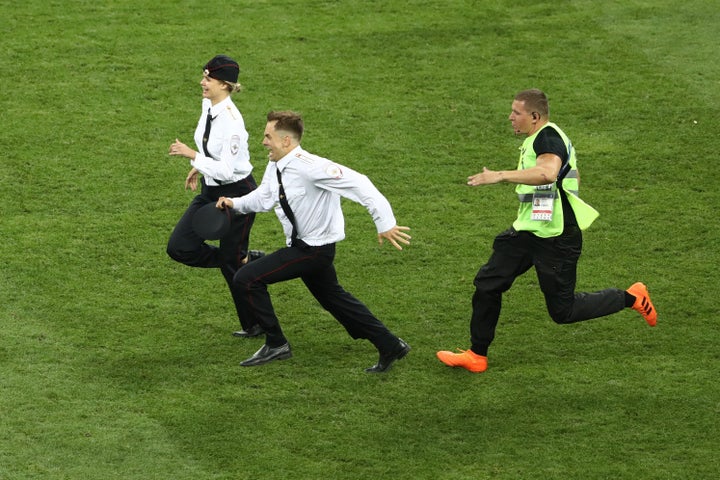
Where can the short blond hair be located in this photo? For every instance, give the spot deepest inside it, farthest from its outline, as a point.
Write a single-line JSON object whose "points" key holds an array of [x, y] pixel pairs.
{"points": [[535, 101]]}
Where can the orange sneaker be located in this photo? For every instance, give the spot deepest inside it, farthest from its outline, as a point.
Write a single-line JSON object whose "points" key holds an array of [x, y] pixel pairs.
{"points": [[466, 359], [642, 303]]}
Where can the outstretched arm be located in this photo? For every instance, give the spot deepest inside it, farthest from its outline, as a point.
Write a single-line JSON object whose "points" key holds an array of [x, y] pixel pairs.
{"points": [[545, 171]]}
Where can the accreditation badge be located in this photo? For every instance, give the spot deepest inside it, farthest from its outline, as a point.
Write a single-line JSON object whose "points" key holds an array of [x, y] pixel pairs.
{"points": [[543, 202]]}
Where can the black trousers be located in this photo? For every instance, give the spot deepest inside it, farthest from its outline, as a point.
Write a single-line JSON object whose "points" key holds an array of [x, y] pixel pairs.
{"points": [[314, 266], [555, 261], [186, 247]]}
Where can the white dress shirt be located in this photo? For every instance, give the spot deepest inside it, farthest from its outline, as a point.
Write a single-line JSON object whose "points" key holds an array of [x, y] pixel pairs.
{"points": [[228, 144], [313, 186]]}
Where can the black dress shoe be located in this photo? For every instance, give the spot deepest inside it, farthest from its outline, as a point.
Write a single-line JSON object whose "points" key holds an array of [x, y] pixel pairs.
{"points": [[254, 255], [387, 359], [267, 354], [254, 331]]}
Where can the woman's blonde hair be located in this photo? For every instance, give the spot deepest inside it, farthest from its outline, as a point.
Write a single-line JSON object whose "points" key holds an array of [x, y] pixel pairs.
{"points": [[233, 87]]}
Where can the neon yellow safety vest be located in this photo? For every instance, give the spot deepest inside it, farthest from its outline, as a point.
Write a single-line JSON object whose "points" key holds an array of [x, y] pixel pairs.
{"points": [[584, 213]]}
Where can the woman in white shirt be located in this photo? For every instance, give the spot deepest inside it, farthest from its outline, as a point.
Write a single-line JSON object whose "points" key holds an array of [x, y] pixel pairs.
{"points": [[223, 159]]}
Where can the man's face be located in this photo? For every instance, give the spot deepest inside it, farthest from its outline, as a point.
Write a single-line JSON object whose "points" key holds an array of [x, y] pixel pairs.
{"points": [[522, 121], [275, 141]]}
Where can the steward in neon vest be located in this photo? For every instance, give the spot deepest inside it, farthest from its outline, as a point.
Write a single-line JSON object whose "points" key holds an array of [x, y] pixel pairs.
{"points": [[545, 236], [541, 206]]}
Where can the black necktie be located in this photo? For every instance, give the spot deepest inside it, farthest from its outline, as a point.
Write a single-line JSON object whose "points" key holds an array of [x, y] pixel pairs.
{"points": [[286, 208], [206, 135]]}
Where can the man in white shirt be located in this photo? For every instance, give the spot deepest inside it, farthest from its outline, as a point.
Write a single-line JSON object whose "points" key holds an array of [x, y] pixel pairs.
{"points": [[305, 190]]}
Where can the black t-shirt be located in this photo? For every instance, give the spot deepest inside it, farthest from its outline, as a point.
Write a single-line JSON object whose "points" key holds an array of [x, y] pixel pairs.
{"points": [[548, 140]]}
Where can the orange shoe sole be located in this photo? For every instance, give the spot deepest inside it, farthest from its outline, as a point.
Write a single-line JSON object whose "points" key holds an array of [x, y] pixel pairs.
{"points": [[466, 359]]}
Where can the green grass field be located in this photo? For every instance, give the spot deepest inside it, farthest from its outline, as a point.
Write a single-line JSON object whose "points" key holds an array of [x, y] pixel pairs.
{"points": [[117, 362]]}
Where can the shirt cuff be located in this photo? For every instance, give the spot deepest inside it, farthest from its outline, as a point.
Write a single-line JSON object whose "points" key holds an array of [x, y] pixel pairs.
{"points": [[237, 204]]}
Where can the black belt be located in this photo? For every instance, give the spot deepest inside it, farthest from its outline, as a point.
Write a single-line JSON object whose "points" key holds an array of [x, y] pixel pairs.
{"points": [[300, 244], [221, 184]]}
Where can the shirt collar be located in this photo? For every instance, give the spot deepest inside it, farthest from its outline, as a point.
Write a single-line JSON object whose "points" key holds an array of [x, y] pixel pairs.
{"points": [[288, 158], [219, 107]]}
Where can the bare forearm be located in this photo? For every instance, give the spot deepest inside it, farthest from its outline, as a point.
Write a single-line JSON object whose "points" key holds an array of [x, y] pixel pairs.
{"points": [[545, 171], [530, 176]]}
